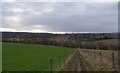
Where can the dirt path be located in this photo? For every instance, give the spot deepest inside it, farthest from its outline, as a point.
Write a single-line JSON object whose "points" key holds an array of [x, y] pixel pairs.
{"points": [[84, 65], [64, 66], [77, 63], [71, 65]]}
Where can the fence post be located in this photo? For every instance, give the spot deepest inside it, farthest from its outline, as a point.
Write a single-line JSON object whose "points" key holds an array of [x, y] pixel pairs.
{"points": [[113, 60], [101, 57], [59, 62], [91, 53], [51, 65], [64, 58], [88, 54], [94, 55]]}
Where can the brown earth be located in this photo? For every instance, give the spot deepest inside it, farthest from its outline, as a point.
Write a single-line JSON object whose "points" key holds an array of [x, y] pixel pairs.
{"points": [[109, 42]]}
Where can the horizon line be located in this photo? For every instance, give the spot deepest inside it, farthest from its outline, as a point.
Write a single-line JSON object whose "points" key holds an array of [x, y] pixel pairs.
{"points": [[56, 32]]}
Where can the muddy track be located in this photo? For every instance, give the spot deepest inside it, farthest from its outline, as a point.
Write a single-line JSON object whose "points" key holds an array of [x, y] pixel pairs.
{"points": [[77, 63], [70, 66], [84, 65]]}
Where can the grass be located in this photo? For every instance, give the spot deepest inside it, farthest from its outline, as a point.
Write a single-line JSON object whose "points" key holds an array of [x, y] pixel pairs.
{"points": [[105, 51], [107, 60], [30, 57], [0, 56], [108, 51]]}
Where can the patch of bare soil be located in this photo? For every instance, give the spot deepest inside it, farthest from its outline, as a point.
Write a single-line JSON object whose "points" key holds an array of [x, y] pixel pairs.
{"points": [[74, 65]]}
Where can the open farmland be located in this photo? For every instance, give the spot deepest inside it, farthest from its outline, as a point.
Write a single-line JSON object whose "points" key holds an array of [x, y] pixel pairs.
{"points": [[100, 60], [50, 52], [29, 57]]}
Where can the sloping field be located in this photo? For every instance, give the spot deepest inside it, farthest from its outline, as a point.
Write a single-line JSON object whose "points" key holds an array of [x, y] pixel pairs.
{"points": [[109, 42], [29, 57], [100, 60]]}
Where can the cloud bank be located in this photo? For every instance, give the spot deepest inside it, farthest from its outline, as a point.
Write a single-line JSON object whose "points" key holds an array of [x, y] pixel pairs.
{"points": [[60, 16]]}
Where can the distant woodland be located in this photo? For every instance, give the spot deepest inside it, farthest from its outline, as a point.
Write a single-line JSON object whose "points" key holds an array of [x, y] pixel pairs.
{"points": [[102, 41]]}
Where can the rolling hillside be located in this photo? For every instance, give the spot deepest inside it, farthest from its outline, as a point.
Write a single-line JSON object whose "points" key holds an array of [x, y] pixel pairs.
{"points": [[29, 57]]}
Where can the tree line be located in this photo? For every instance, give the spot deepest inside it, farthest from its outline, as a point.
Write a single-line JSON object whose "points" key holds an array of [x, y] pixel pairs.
{"points": [[82, 40]]}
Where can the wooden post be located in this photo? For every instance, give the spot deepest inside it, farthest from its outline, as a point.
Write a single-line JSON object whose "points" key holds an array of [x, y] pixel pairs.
{"points": [[51, 65], [94, 55], [90, 54], [101, 57], [113, 60], [64, 58], [59, 62]]}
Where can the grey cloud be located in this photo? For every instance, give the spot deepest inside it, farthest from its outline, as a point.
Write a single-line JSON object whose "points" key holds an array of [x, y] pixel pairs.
{"points": [[65, 17]]}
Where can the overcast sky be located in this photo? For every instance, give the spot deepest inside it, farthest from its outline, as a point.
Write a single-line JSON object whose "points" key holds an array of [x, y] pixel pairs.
{"points": [[60, 16]]}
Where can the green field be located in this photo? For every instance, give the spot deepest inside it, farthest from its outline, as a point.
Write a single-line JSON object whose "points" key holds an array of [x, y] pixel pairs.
{"points": [[29, 57]]}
